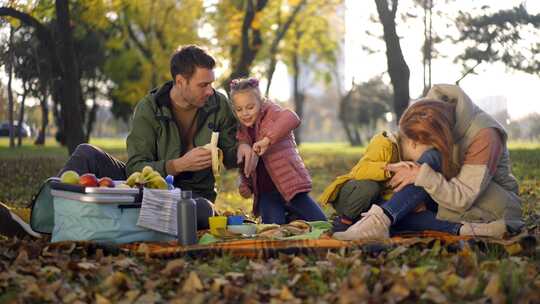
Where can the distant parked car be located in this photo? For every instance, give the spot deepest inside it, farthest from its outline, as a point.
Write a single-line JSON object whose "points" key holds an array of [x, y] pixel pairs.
{"points": [[25, 130]]}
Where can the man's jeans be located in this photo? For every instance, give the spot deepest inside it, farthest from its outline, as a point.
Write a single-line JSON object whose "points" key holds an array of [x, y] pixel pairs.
{"points": [[400, 208], [90, 159]]}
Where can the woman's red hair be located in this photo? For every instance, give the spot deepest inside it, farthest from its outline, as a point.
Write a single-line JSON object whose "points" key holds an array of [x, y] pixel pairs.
{"points": [[430, 122]]}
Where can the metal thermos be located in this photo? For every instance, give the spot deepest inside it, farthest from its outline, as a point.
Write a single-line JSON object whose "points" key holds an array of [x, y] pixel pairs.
{"points": [[186, 213]]}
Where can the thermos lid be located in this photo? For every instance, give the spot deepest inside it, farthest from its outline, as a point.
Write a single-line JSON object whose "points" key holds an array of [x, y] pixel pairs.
{"points": [[185, 194]]}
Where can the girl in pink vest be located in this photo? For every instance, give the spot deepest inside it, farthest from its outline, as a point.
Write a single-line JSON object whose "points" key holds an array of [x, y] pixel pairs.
{"points": [[280, 183]]}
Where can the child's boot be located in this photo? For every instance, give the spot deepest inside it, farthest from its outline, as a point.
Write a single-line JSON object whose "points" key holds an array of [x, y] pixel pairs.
{"points": [[374, 224], [495, 229]]}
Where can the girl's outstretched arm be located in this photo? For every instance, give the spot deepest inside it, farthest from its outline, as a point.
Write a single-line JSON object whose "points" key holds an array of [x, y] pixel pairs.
{"points": [[284, 121]]}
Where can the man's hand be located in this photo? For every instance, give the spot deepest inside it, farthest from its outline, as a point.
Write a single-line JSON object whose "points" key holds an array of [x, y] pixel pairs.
{"points": [[404, 174], [246, 155], [195, 159], [261, 146]]}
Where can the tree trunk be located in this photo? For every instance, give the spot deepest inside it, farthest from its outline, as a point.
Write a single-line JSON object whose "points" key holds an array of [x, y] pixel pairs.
{"points": [[57, 106], [428, 44], [66, 88], [71, 111], [40, 139], [299, 97], [397, 67], [282, 30], [11, 104], [91, 115], [248, 47], [21, 118], [270, 73]]}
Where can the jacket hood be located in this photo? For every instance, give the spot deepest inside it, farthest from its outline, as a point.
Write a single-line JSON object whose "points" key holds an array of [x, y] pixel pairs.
{"points": [[466, 110]]}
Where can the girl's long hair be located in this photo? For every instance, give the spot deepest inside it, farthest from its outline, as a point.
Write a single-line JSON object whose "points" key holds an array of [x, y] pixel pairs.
{"points": [[430, 122]]}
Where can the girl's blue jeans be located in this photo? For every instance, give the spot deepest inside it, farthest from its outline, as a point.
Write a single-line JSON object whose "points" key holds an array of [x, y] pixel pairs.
{"points": [[274, 209]]}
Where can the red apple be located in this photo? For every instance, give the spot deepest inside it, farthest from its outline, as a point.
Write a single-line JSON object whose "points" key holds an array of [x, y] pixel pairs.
{"points": [[106, 182], [88, 180]]}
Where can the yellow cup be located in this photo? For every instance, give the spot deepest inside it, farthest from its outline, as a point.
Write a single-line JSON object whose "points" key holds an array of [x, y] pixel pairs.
{"points": [[217, 223]]}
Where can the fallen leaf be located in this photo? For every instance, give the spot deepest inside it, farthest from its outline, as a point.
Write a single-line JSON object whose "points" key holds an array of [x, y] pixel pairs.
{"points": [[217, 283], [50, 270], [150, 285], [86, 265], [173, 267], [70, 297], [101, 299], [286, 294], [434, 294], [494, 289], [467, 262], [396, 252], [192, 283], [22, 258], [295, 279], [234, 275], [450, 281], [298, 262], [513, 249], [149, 297], [125, 263], [398, 292]]}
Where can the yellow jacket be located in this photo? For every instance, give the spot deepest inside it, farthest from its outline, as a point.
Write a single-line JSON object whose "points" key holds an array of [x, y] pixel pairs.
{"points": [[381, 150]]}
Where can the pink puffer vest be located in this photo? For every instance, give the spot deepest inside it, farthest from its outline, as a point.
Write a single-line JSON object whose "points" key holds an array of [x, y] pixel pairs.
{"points": [[283, 163]]}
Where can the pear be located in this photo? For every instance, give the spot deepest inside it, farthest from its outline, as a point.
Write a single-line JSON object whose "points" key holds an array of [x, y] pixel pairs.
{"points": [[70, 177]]}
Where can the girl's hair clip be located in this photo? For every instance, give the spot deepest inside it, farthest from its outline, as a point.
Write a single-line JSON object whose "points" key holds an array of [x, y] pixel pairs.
{"points": [[253, 82], [234, 84], [242, 84]]}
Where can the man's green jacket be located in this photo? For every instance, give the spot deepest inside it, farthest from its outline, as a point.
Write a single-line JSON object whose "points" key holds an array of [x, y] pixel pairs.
{"points": [[154, 138]]}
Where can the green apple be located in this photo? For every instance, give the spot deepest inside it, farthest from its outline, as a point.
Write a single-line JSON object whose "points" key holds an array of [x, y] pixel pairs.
{"points": [[70, 177]]}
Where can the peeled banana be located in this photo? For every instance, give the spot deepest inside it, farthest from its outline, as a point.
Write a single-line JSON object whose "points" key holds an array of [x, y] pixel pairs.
{"points": [[217, 154]]}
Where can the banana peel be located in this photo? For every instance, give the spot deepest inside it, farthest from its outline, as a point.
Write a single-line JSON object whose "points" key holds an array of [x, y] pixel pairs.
{"points": [[217, 154]]}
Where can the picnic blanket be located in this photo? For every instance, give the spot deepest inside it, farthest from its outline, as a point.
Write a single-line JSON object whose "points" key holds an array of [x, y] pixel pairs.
{"points": [[266, 248], [314, 241], [257, 248]]}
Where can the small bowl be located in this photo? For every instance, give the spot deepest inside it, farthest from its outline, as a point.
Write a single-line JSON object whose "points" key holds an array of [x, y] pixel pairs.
{"points": [[235, 220], [247, 229]]}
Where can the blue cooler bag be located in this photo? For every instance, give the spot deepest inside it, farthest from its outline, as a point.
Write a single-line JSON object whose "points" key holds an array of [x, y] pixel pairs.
{"points": [[103, 215]]}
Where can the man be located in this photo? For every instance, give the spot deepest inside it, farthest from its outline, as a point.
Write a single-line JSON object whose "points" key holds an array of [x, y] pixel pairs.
{"points": [[170, 125]]}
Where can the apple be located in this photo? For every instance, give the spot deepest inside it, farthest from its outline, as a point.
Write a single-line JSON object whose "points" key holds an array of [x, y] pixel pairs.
{"points": [[70, 177], [88, 180], [106, 182]]}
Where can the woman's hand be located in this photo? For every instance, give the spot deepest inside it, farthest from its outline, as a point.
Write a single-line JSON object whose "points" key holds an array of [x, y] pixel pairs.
{"points": [[405, 173], [246, 155], [261, 146]]}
